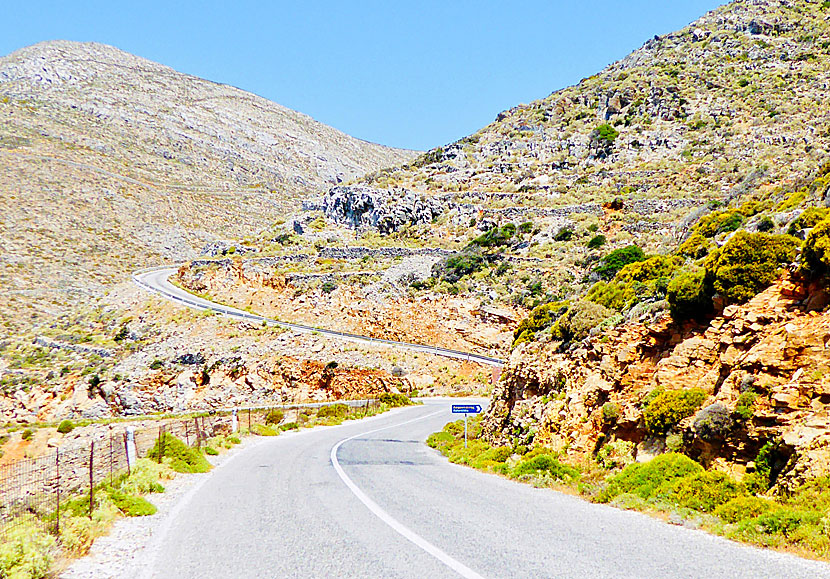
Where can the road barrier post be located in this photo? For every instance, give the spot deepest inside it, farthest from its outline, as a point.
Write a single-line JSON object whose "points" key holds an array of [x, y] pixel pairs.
{"points": [[91, 477], [234, 421], [129, 445]]}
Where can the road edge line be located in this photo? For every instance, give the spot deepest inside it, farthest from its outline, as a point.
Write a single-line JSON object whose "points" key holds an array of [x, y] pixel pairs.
{"points": [[396, 526]]}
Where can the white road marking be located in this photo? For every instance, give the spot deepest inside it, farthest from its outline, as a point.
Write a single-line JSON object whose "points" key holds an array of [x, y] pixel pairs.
{"points": [[399, 528]]}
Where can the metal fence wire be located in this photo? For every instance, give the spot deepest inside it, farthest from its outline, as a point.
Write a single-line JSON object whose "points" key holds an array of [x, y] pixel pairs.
{"points": [[36, 490]]}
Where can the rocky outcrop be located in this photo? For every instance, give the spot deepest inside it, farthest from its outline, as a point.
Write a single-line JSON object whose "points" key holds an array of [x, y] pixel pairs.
{"points": [[775, 347], [386, 210]]}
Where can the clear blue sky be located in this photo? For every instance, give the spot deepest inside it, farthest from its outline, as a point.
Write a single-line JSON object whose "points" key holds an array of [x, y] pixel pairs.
{"points": [[414, 74]]}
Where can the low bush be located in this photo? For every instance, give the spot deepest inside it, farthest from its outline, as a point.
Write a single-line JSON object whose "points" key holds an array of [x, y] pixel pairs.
{"points": [[610, 413], [455, 266], [145, 476], [541, 318], [616, 454], [701, 491], [743, 507], [719, 222], [333, 411], [496, 237], [745, 407], [131, 505], [394, 400], [263, 430], [668, 408], [182, 457], [748, 264], [643, 479], [545, 464], [65, 426], [688, 298], [234, 440], [564, 234], [653, 268], [210, 451], [808, 219], [696, 246], [596, 241], [26, 551], [612, 295], [713, 423], [289, 426], [274, 416], [618, 259], [579, 320], [815, 257]]}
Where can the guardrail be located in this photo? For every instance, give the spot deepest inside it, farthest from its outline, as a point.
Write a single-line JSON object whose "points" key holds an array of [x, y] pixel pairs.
{"points": [[302, 328]]}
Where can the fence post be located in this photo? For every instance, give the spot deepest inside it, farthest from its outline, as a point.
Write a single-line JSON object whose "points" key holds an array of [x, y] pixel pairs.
{"points": [[110, 457], [91, 481], [249, 421], [160, 443], [198, 433], [58, 491], [234, 422], [129, 445]]}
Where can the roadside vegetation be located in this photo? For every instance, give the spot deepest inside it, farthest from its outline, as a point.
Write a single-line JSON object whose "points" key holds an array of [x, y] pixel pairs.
{"points": [[671, 486], [33, 548]]}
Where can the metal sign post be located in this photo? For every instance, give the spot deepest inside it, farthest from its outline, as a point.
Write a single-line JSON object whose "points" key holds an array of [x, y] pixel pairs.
{"points": [[466, 409]]}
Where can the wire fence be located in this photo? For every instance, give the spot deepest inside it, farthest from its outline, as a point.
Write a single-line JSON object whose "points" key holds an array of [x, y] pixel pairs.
{"points": [[34, 489]]}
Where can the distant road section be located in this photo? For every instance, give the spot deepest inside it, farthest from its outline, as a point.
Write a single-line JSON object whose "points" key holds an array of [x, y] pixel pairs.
{"points": [[156, 280]]}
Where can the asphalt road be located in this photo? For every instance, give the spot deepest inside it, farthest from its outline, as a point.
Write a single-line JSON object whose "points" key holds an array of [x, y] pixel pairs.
{"points": [[282, 509], [156, 281]]}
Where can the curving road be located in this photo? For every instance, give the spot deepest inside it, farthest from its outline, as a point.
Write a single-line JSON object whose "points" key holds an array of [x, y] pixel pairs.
{"points": [[369, 499], [156, 280]]}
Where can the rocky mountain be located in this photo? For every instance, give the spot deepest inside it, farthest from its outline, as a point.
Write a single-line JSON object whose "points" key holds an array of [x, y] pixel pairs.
{"points": [[109, 161]]}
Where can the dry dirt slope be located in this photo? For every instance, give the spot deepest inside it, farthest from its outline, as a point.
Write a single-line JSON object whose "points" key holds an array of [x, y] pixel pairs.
{"points": [[108, 160]]}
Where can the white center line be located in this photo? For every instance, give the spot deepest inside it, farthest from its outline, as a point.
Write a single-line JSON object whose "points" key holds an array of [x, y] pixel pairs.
{"points": [[399, 528]]}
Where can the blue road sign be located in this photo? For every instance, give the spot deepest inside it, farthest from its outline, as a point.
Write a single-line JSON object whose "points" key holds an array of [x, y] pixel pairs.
{"points": [[466, 408]]}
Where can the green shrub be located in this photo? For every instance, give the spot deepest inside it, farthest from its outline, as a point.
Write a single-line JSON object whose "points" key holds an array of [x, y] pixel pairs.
{"points": [[668, 408], [439, 439], [540, 318], [182, 457], [394, 400], [496, 237], [328, 287], [131, 505], [605, 132], [27, 434], [234, 440], [743, 507], [597, 241], [745, 408], [653, 268], [766, 224], [808, 219], [545, 464], [612, 295], [719, 222], [333, 411], [564, 234], [696, 246], [701, 491], [688, 298], [65, 427], [749, 263], [784, 521], [145, 476], [455, 266], [815, 257], [274, 416], [211, 451], [618, 259], [156, 364], [610, 413], [26, 550], [643, 479], [616, 454], [289, 426], [579, 320], [263, 430], [713, 423]]}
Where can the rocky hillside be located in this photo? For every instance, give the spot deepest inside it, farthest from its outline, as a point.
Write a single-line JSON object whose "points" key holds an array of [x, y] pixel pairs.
{"points": [[110, 161]]}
